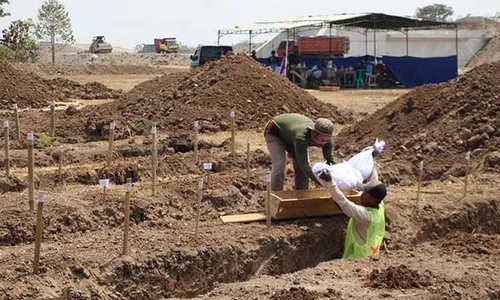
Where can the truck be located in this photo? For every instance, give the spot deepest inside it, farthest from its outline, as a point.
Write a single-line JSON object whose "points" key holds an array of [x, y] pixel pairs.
{"points": [[315, 46], [166, 45], [207, 53]]}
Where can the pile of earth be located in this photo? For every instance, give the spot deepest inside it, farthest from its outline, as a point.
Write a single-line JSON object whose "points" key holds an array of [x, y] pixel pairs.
{"points": [[437, 124], [490, 52], [30, 90], [25, 89], [399, 277], [234, 83], [89, 69], [87, 91]]}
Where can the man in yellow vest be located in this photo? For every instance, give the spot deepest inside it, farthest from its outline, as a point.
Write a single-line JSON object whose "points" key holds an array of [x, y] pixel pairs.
{"points": [[366, 227]]}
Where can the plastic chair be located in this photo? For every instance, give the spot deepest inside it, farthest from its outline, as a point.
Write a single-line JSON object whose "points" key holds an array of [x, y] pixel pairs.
{"points": [[360, 80]]}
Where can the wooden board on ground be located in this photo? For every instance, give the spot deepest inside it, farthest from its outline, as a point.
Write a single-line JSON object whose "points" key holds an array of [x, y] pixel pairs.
{"points": [[244, 218], [307, 203]]}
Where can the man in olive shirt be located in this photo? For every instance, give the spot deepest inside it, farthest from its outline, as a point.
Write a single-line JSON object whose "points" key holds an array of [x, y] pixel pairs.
{"points": [[293, 133]]}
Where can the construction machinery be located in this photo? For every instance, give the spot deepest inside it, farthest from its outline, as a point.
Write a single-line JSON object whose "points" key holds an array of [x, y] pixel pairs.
{"points": [[167, 45], [99, 45]]}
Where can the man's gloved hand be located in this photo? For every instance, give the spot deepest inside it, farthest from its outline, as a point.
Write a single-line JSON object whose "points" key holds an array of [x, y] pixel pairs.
{"points": [[325, 175], [330, 162]]}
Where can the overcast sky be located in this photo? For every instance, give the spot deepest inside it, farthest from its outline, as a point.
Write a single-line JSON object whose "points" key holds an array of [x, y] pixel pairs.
{"points": [[127, 23]]}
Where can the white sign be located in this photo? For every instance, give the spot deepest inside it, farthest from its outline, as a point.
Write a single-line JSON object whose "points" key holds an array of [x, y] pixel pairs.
{"points": [[153, 129], [467, 155], [6, 123], [207, 166], [103, 182], [112, 126], [268, 178], [41, 197], [30, 136], [200, 185], [248, 140], [14, 106], [128, 187], [196, 123], [422, 165], [52, 103], [231, 114]]}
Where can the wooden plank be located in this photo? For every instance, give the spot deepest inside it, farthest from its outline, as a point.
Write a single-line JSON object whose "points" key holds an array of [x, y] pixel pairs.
{"points": [[245, 218]]}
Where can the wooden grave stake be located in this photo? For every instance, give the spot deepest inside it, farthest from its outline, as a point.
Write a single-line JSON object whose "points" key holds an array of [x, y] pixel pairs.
{"points": [[198, 205], [268, 200], [196, 125], [208, 168], [467, 170], [128, 189], [248, 161], [38, 231], [60, 163], [7, 155], [16, 116], [231, 117], [104, 183], [52, 119], [112, 126], [421, 169], [154, 152], [31, 169]]}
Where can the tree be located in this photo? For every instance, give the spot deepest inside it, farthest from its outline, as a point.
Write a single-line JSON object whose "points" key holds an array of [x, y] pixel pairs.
{"points": [[435, 12], [18, 38], [3, 13], [54, 25]]}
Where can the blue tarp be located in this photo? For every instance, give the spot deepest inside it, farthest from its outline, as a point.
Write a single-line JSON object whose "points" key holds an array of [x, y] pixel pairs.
{"points": [[415, 71], [410, 71]]}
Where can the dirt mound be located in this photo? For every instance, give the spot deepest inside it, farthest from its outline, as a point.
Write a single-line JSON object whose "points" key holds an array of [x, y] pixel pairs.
{"points": [[436, 123], [295, 293], [24, 89], [400, 277], [490, 52], [460, 242], [234, 83], [87, 91], [88, 69]]}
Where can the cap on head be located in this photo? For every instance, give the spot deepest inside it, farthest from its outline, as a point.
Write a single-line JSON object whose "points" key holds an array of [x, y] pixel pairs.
{"points": [[378, 192], [323, 126]]}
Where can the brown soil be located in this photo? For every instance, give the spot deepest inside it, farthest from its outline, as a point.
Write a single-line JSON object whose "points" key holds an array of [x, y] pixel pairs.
{"points": [[399, 277], [175, 101], [463, 243], [437, 124], [89, 69], [491, 52], [87, 91]]}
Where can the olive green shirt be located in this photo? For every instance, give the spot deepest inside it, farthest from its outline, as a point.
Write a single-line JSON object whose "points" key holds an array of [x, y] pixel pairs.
{"points": [[295, 133]]}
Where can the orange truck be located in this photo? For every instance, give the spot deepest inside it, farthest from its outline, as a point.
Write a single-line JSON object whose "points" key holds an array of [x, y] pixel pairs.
{"points": [[166, 45], [315, 46]]}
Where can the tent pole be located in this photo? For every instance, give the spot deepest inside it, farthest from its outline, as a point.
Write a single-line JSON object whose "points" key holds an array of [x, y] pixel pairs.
{"points": [[330, 39], [406, 41], [366, 41], [249, 42], [218, 37], [456, 43], [286, 52]]}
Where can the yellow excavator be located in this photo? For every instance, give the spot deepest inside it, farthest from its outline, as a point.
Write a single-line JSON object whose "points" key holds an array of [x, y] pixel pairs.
{"points": [[99, 45]]}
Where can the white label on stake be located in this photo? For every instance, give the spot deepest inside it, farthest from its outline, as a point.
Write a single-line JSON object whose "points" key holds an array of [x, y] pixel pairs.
{"points": [[104, 182], [41, 197], [112, 126], [231, 114], [248, 140], [422, 165], [153, 129], [14, 106], [268, 178], [6, 123], [207, 166], [200, 185], [128, 187], [467, 155], [52, 103], [196, 124], [30, 136]]}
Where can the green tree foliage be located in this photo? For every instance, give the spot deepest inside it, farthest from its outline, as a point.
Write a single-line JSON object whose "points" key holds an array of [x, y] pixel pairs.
{"points": [[54, 25], [3, 13], [435, 12], [19, 41]]}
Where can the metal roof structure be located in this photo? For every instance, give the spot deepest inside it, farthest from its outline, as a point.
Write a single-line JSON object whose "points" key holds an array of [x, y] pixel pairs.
{"points": [[375, 21]]}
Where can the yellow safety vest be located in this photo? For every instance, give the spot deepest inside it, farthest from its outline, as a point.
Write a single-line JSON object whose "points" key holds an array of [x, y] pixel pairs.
{"points": [[374, 236]]}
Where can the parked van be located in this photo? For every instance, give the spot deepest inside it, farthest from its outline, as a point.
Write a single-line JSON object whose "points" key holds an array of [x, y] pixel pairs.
{"points": [[207, 53]]}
